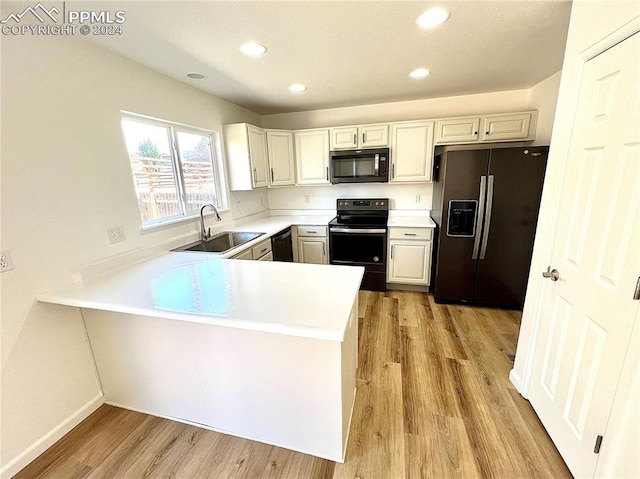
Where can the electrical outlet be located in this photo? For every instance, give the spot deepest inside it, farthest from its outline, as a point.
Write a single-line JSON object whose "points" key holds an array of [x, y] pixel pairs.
{"points": [[307, 199], [116, 234], [417, 198], [6, 264]]}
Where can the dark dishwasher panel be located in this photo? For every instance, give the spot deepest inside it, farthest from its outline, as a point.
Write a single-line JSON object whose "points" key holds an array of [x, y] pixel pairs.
{"points": [[281, 246]]}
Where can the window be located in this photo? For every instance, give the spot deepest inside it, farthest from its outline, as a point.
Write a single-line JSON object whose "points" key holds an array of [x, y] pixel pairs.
{"points": [[174, 168]]}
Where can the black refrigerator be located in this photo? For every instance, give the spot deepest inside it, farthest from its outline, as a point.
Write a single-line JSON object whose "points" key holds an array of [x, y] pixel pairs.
{"points": [[486, 203]]}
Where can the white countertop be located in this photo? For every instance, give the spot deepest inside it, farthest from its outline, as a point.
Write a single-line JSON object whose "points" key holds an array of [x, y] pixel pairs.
{"points": [[295, 299], [410, 219]]}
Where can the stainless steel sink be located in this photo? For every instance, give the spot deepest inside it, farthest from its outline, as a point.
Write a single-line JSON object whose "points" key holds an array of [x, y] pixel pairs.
{"points": [[221, 242]]}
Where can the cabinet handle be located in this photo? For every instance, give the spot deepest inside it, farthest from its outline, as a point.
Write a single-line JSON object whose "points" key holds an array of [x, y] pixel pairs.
{"points": [[272, 180], [363, 138], [410, 234], [393, 170], [311, 232], [475, 132], [255, 176], [327, 173], [323, 253], [263, 250], [391, 256], [355, 139], [486, 133]]}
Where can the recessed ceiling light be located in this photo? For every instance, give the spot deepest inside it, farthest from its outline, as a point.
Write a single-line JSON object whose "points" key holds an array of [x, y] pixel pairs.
{"points": [[297, 88], [419, 73], [253, 49], [196, 76], [433, 17]]}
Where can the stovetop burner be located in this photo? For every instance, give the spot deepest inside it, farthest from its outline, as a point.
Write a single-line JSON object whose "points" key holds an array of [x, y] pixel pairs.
{"points": [[362, 212]]}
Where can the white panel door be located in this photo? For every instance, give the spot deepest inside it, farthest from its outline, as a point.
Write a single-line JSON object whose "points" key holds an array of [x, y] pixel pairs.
{"points": [[281, 162], [588, 313], [258, 155]]}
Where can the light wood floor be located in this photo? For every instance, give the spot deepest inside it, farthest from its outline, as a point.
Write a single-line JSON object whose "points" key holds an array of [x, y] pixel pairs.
{"points": [[433, 401]]}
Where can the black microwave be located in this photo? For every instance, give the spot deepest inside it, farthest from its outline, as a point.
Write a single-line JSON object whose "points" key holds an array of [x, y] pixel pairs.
{"points": [[360, 166]]}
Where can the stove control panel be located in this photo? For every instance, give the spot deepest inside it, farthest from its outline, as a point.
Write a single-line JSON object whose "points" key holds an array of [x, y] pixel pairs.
{"points": [[375, 204]]}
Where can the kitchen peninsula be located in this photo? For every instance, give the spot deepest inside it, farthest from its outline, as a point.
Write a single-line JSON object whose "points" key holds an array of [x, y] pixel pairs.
{"points": [[261, 350]]}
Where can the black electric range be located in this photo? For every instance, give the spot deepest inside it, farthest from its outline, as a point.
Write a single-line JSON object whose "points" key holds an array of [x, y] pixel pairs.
{"points": [[358, 237]]}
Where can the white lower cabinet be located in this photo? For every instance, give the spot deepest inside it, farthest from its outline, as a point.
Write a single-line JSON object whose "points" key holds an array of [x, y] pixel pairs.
{"points": [[260, 252], [246, 254], [409, 259], [313, 244]]}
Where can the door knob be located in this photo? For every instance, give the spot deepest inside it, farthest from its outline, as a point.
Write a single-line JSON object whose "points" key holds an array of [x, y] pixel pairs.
{"points": [[552, 274]]}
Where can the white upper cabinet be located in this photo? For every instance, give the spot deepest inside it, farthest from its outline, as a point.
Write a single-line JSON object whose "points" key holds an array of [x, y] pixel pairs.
{"points": [[312, 156], [486, 129], [514, 126], [281, 158], [457, 130], [411, 151], [344, 138], [246, 150], [363, 136]]}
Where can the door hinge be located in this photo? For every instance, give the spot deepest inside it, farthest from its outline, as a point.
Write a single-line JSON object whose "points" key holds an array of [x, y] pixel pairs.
{"points": [[596, 449]]}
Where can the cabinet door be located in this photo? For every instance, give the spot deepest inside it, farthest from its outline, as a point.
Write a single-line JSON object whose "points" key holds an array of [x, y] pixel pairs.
{"points": [[246, 254], [312, 157], [267, 257], [411, 151], [344, 138], [258, 155], [506, 127], [312, 250], [281, 163], [457, 130], [374, 135], [409, 262]]}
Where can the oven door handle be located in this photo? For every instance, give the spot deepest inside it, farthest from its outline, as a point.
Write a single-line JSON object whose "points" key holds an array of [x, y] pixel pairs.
{"points": [[357, 231]]}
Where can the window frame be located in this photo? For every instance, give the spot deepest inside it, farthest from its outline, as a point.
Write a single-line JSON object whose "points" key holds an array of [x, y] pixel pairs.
{"points": [[177, 163]]}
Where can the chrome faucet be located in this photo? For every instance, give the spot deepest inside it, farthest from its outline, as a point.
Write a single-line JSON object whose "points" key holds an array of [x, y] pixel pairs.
{"points": [[205, 234]]}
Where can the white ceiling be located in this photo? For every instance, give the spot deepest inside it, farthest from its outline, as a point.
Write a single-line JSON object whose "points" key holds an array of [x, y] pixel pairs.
{"points": [[346, 52]]}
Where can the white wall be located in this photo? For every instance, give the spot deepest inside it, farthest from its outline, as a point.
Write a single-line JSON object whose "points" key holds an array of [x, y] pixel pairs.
{"points": [[65, 179], [497, 102], [543, 97]]}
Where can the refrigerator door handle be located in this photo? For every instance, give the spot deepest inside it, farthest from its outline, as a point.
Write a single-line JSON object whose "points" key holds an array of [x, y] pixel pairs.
{"points": [[487, 217], [479, 222]]}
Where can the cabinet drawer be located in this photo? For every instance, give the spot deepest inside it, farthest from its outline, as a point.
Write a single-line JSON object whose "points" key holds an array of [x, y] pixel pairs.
{"points": [[246, 254], [260, 250], [312, 231], [411, 233]]}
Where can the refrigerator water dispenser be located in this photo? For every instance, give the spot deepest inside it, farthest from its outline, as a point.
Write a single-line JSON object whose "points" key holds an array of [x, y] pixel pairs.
{"points": [[462, 218]]}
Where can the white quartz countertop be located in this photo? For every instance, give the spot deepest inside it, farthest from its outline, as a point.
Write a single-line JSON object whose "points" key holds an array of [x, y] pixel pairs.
{"points": [[295, 299], [411, 222]]}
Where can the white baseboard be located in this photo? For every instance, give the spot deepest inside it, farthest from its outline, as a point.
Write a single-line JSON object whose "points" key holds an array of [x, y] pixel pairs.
{"points": [[516, 381], [49, 439]]}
